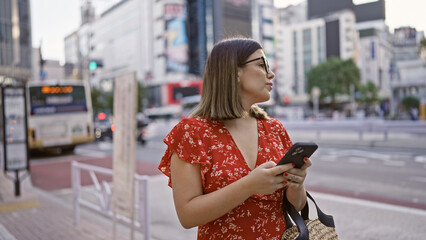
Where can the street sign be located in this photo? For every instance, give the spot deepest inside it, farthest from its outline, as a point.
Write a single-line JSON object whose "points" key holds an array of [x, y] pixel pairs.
{"points": [[14, 129]]}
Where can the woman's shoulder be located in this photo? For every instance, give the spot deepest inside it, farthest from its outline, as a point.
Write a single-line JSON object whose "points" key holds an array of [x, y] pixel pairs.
{"points": [[272, 122], [197, 122]]}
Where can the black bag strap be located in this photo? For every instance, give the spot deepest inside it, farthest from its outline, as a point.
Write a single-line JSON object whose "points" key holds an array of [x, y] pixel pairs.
{"points": [[288, 209]]}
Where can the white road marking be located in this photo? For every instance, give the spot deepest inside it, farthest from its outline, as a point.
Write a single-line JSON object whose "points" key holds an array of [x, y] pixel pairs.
{"points": [[366, 203], [420, 159], [418, 179], [395, 163], [366, 154], [328, 159], [357, 160]]}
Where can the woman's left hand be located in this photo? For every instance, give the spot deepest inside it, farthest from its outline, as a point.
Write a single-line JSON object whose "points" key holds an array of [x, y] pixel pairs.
{"points": [[296, 176]]}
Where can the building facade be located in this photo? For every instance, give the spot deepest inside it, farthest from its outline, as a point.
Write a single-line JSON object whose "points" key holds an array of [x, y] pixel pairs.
{"points": [[301, 46], [376, 55], [15, 41]]}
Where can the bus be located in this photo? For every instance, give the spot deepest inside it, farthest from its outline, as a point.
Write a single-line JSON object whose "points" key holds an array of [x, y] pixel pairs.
{"points": [[60, 114]]}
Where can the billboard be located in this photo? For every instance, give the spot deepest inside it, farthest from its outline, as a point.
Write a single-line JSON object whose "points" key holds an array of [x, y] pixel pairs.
{"points": [[405, 36], [176, 39]]}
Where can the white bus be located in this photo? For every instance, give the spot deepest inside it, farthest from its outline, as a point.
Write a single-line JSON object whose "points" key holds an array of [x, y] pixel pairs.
{"points": [[60, 114]]}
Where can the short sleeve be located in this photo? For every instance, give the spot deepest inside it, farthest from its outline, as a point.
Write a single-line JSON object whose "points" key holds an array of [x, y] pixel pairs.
{"points": [[185, 141], [277, 131], [285, 138]]}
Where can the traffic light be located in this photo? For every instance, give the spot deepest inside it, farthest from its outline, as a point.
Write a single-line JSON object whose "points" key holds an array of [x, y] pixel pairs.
{"points": [[95, 63]]}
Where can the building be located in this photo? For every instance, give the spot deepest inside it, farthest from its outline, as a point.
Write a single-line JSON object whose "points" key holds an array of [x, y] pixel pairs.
{"points": [[303, 45], [165, 43], [300, 47], [15, 41], [410, 70], [350, 31], [363, 12], [145, 37], [376, 56]]}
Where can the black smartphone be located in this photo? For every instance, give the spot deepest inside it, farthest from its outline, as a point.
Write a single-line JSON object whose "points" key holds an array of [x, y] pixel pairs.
{"points": [[298, 152]]}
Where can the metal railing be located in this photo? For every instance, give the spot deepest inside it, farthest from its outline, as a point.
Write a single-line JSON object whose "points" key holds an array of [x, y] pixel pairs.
{"points": [[360, 127], [102, 193]]}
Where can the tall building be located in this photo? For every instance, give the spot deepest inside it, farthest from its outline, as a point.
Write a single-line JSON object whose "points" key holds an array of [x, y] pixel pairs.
{"points": [[376, 56], [15, 41], [302, 45], [148, 38], [350, 31], [211, 21], [363, 12], [410, 70]]}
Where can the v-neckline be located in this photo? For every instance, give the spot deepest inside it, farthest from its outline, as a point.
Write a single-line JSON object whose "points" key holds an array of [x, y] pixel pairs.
{"points": [[241, 156]]}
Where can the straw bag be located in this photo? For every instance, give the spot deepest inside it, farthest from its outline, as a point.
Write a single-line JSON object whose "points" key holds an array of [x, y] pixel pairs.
{"points": [[321, 228]]}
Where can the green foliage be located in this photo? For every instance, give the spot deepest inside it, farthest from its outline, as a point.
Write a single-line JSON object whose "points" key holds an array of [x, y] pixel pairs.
{"points": [[369, 93], [104, 101], [422, 48], [97, 103], [409, 102], [334, 77]]}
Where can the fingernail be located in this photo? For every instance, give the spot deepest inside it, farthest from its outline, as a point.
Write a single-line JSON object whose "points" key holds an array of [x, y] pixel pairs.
{"points": [[285, 174], [293, 164], [305, 159]]}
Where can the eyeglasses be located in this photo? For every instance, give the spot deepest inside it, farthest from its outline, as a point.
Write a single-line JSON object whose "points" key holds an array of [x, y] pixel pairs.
{"points": [[265, 63]]}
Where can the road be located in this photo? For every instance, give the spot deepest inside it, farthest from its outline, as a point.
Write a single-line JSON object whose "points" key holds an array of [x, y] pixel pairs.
{"points": [[395, 176]]}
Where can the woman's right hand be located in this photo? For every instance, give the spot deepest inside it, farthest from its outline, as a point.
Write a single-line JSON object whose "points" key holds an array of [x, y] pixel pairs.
{"points": [[267, 178]]}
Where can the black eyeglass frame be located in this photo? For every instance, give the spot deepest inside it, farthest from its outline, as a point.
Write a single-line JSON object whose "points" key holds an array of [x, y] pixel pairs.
{"points": [[265, 63]]}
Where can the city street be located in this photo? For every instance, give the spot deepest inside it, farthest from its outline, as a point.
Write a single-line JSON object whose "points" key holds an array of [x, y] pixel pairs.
{"points": [[395, 176], [371, 192]]}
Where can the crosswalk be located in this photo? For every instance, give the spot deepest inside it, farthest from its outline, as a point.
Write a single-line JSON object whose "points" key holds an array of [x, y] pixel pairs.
{"points": [[360, 156]]}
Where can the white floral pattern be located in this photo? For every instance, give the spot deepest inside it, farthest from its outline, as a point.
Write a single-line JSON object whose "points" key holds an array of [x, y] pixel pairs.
{"points": [[209, 143]]}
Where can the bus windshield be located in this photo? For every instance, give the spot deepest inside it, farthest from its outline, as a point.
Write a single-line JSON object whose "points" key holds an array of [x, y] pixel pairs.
{"points": [[57, 99]]}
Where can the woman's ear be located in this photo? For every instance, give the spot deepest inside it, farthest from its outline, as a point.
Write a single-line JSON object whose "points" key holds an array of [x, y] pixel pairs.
{"points": [[240, 73]]}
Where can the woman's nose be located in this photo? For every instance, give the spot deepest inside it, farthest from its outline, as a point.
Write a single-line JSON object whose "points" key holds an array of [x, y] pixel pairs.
{"points": [[270, 75]]}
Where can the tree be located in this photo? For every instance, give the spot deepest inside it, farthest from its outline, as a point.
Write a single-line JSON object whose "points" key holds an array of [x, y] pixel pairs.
{"points": [[409, 102], [334, 77], [97, 104], [104, 101], [369, 93], [368, 97], [422, 48]]}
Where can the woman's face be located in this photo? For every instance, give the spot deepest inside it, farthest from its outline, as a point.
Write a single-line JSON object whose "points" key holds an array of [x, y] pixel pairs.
{"points": [[255, 84]]}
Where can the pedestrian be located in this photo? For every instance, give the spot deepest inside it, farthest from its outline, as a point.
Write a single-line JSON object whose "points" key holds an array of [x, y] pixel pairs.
{"points": [[221, 161]]}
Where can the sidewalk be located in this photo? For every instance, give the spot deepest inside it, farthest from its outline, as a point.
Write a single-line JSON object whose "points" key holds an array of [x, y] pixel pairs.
{"points": [[39, 214], [48, 215]]}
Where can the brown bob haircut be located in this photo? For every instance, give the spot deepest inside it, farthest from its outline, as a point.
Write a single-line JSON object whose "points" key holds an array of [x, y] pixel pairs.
{"points": [[220, 98]]}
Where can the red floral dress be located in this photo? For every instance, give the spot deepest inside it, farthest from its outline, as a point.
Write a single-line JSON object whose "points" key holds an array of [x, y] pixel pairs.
{"points": [[208, 143]]}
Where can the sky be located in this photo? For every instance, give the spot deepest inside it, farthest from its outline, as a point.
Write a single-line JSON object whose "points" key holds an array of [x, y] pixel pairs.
{"points": [[53, 20]]}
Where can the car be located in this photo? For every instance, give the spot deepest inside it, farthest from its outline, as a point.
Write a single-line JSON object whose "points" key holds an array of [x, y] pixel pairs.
{"points": [[103, 129]]}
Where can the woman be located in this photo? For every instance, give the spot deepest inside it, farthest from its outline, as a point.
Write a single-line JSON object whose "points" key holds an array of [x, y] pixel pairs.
{"points": [[222, 161]]}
